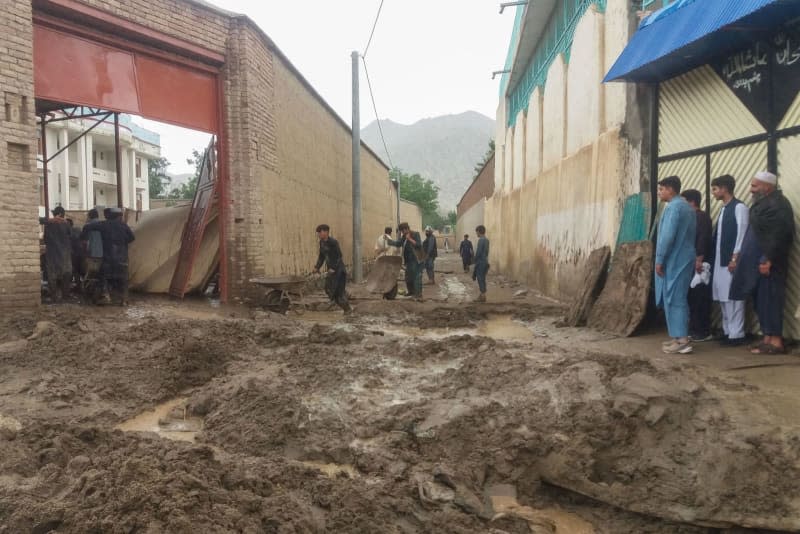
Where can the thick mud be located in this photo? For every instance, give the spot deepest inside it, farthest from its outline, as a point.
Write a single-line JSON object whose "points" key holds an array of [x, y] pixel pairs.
{"points": [[400, 419]]}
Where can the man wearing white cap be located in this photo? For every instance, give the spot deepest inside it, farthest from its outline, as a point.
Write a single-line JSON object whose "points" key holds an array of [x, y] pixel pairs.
{"points": [[764, 259]]}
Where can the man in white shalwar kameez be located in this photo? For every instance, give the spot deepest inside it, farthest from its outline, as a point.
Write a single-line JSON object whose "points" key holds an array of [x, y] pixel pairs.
{"points": [[728, 235]]}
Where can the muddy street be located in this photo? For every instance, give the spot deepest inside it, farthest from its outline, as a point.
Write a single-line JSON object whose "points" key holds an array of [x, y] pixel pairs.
{"points": [[441, 416]]}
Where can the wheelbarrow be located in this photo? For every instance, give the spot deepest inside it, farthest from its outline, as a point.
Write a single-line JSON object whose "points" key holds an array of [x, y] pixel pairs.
{"points": [[279, 292], [383, 276]]}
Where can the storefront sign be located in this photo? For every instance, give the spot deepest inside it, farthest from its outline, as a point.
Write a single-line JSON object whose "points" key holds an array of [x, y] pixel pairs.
{"points": [[747, 73]]}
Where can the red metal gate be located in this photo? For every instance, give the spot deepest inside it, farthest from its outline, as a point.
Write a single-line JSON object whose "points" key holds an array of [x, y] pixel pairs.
{"points": [[196, 224]]}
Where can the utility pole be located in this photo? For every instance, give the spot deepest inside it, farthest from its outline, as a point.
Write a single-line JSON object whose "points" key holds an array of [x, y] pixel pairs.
{"points": [[118, 160], [357, 267]]}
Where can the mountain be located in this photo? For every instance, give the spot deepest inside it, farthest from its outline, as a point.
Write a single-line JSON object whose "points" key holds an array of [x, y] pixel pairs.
{"points": [[444, 149]]}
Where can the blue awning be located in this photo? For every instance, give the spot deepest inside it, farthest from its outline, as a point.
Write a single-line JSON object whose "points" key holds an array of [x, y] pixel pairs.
{"points": [[689, 33]]}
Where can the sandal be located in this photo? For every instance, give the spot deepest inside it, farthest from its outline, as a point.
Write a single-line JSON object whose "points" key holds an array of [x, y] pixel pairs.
{"points": [[769, 349]]}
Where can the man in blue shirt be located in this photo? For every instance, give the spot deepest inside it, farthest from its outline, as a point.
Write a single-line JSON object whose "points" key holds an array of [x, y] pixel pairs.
{"points": [[481, 262], [675, 262]]}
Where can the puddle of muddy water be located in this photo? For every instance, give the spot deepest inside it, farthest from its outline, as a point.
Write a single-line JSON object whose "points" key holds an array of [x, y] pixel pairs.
{"points": [[168, 420], [500, 327]]}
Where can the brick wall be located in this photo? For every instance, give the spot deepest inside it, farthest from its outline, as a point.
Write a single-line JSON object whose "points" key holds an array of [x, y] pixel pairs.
{"points": [[313, 184], [289, 154], [19, 245], [481, 188]]}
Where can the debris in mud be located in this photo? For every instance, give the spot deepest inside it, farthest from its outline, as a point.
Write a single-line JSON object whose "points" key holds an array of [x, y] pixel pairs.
{"points": [[327, 428]]}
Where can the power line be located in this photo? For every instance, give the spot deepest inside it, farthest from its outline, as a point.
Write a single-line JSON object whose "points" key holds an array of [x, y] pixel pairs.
{"points": [[375, 108], [372, 33]]}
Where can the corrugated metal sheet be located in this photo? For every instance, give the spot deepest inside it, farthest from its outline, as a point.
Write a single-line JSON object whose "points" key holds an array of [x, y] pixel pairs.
{"points": [[741, 163], [697, 109], [789, 170], [792, 117], [691, 171]]}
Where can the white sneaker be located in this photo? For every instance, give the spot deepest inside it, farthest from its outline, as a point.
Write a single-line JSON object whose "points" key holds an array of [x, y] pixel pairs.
{"points": [[677, 347]]}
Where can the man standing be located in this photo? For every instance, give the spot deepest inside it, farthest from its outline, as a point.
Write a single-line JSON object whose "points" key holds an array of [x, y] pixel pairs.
{"points": [[732, 225], [116, 236], [481, 262], [330, 253], [58, 254], [413, 257], [465, 251], [92, 241], [764, 259], [700, 295], [675, 262], [76, 251], [431, 253], [382, 246]]}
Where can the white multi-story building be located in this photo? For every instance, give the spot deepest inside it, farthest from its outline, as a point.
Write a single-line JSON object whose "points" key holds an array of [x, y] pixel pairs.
{"points": [[84, 175]]}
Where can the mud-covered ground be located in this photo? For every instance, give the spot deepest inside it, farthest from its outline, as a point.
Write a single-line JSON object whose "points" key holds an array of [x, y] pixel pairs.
{"points": [[444, 416]]}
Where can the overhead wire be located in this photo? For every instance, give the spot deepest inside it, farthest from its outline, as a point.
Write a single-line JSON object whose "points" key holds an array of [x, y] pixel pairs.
{"points": [[375, 109], [372, 33]]}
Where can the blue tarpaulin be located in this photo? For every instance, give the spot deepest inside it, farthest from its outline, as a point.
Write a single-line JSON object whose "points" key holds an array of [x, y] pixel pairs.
{"points": [[689, 33]]}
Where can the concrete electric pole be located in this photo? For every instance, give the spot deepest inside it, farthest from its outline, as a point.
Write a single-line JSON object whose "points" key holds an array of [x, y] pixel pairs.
{"points": [[357, 267]]}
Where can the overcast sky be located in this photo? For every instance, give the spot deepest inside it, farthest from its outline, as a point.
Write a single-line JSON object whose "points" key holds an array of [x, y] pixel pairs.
{"points": [[427, 58]]}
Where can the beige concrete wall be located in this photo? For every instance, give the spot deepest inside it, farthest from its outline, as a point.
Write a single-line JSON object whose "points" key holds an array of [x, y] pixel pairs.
{"points": [[313, 183], [469, 220], [410, 213], [581, 164], [508, 160], [554, 114], [520, 133], [499, 147], [533, 141], [584, 94]]}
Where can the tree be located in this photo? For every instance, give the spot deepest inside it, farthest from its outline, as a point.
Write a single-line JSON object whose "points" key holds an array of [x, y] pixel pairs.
{"points": [[157, 177], [479, 166], [186, 191], [452, 218], [414, 188]]}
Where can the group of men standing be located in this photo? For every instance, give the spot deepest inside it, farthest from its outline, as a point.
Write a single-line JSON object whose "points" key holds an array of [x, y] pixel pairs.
{"points": [[745, 254], [419, 256], [99, 252]]}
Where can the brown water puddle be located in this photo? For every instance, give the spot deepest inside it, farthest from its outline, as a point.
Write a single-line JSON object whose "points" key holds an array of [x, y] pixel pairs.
{"points": [[545, 520], [500, 327], [169, 420]]}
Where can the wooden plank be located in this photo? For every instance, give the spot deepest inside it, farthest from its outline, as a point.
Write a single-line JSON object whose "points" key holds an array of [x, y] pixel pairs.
{"points": [[622, 305], [594, 278]]}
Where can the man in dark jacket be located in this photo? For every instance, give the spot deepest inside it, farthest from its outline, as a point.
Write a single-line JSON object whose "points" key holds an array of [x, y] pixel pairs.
{"points": [[330, 253], [58, 254], [116, 237], [466, 252], [700, 294], [413, 257], [764, 261], [431, 253], [481, 262]]}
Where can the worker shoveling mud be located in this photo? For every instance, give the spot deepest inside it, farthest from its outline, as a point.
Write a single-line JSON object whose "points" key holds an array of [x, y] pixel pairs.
{"points": [[354, 427]]}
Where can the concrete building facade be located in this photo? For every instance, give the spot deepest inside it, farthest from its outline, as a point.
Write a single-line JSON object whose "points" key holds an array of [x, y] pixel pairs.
{"points": [[571, 153], [470, 210], [287, 154], [84, 175]]}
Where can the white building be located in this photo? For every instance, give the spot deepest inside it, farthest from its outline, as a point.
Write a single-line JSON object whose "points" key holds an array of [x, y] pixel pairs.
{"points": [[84, 175]]}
